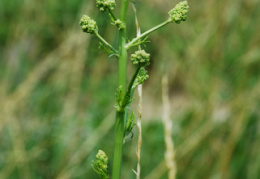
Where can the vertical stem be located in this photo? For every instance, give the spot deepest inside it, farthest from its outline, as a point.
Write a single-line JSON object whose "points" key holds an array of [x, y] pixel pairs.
{"points": [[120, 115], [118, 145], [122, 49]]}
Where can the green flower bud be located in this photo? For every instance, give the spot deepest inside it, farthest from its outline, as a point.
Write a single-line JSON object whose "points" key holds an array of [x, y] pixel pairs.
{"points": [[104, 167], [104, 5], [120, 25], [101, 156], [179, 12], [88, 25], [141, 77], [140, 58], [100, 165]]}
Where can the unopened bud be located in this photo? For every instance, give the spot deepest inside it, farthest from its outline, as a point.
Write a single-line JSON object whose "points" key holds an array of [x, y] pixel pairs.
{"points": [[104, 5], [140, 58], [87, 24], [179, 12]]}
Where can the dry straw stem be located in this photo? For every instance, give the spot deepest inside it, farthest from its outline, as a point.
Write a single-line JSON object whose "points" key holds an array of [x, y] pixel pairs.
{"points": [[170, 153], [140, 108], [139, 126]]}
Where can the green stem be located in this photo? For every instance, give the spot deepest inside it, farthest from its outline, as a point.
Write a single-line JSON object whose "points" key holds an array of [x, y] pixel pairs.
{"points": [[105, 42], [120, 115], [132, 43], [112, 14], [118, 144], [133, 78], [122, 50], [129, 91]]}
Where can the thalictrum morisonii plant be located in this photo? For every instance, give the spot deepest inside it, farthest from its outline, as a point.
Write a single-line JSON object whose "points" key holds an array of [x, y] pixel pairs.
{"points": [[141, 59]]}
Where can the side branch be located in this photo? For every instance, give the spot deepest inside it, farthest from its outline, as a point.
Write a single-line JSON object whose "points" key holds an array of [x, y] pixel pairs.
{"points": [[112, 15], [134, 42], [130, 90], [105, 42]]}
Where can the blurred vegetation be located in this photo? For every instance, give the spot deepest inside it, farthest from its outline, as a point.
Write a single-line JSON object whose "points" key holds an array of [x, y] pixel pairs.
{"points": [[57, 90]]}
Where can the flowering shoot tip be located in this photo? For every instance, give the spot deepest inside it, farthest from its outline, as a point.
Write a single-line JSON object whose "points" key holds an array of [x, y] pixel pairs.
{"points": [[141, 58], [179, 12], [104, 5], [88, 25], [100, 165]]}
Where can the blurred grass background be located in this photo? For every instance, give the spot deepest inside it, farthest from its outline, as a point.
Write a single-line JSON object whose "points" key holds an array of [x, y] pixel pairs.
{"points": [[57, 90]]}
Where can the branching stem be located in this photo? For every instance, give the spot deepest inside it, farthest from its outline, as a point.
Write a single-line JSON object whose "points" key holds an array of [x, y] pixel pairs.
{"points": [[130, 91], [105, 42], [135, 40], [131, 83], [112, 15]]}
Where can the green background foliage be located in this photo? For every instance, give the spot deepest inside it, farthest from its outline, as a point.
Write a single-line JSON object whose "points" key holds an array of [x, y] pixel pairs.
{"points": [[57, 90]]}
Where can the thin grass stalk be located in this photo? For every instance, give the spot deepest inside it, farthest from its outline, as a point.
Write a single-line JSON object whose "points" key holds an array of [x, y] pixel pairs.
{"points": [[140, 107], [170, 152], [139, 126]]}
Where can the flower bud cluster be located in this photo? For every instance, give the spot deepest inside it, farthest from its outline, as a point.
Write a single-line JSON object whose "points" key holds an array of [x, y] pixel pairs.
{"points": [[120, 25], [141, 77], [104, 5], [100, 166], [179, 12], [141, 58], [87, 24], [102, 159]]}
